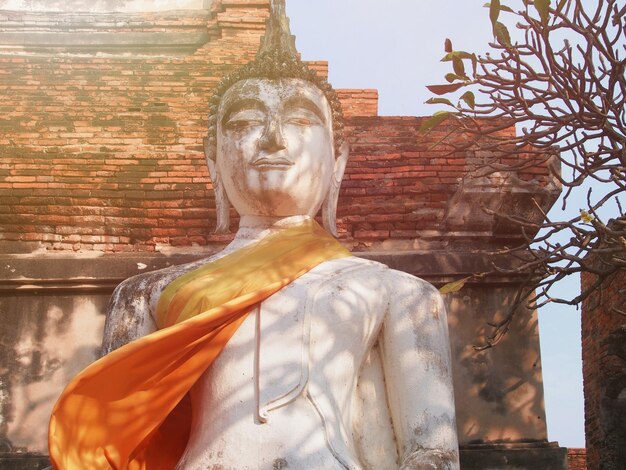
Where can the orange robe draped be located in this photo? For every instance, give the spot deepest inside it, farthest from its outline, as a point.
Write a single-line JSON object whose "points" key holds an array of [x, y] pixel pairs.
{"points": [[130, 410]]}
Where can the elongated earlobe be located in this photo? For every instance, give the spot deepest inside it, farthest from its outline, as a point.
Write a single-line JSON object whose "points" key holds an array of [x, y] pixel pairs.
{"points": [[222, 204], [329, 207]]}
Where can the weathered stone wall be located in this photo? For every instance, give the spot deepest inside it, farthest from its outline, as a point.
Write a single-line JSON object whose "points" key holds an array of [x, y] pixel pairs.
{"points": [[101, 124], [95, 147], [104, 5], [46, 340], [604, 373], [500, 390]]}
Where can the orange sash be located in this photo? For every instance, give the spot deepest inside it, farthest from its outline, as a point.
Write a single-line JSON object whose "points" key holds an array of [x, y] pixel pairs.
{"points": [[129, 409]]}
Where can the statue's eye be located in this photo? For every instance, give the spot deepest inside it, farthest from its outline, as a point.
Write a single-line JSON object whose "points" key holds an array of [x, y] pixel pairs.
{"points": [[302, 118], [302, 121], [245, 118]]}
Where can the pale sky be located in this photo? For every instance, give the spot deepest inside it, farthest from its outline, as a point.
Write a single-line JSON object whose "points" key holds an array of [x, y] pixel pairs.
{"points": [[395, 46]]}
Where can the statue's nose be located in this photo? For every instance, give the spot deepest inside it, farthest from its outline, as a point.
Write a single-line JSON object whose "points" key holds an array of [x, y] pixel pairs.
{"points": [[272, 139]]}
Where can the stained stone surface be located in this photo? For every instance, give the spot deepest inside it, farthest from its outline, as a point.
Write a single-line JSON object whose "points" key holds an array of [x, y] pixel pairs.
{"points": [[126, 6]]}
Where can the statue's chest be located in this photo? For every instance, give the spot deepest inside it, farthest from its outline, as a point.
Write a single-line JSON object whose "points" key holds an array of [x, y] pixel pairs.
{"points": [[324, 322]]}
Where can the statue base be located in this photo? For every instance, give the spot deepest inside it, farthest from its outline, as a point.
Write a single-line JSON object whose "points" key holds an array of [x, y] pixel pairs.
{"points": [[23, 461], [521, 456], [518, 456]]}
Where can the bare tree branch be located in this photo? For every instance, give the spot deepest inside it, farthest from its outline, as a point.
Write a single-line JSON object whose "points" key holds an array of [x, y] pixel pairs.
{"points": [[563, 86]]}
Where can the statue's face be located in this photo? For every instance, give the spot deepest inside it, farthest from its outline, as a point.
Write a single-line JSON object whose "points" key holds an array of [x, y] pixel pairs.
{"points": [[275, 153]]}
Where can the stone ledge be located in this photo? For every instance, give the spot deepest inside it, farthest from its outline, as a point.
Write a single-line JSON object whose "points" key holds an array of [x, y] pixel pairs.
{"points": [[32, 274], [17, 461], [44, 6], [547, 456], [522, 456], [96, 41]]}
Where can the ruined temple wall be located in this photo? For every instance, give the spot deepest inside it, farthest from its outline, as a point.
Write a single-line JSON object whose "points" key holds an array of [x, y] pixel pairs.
{"points": [[576, 459], [603, 370], [93, 144], [101, 139]]}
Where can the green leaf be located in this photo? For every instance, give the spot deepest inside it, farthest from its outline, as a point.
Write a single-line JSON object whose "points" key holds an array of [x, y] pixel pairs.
{"points": [[585, 216], [450, 77], [460, 54], [443, 89], [439, 101], [474, 64], [494, 12], [456, 55], [434, 120], [502, 7], [453, 286], [502, 34], [459, 68], [469, 98], [542, 7]]}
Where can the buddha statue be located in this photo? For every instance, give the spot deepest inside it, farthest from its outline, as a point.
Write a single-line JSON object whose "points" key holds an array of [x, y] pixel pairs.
{"points": [[344, 365]]}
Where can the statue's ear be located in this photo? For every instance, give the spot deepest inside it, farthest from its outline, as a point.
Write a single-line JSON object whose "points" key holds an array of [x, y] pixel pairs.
{"points": [[341, 162], [209, 150], [222, 204], [329, 207]]}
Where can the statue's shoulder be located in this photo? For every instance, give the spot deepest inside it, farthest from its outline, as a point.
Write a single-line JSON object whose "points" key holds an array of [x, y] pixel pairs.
{"points": [[353, 268], [406, 292], [399, 280], [401, 288], [405, 280], [146, 285], [130, 314]]}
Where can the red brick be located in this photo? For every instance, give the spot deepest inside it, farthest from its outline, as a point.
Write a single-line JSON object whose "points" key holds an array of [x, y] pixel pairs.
{"points": [[369, 234], [599, 319], [118, 140]]}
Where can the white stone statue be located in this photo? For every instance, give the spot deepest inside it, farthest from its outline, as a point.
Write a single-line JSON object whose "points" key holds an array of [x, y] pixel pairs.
{"points": [[348, 367]]}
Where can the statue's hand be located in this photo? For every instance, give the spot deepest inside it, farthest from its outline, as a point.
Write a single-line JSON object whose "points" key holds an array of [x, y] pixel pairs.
{"points": [[430, 459]]}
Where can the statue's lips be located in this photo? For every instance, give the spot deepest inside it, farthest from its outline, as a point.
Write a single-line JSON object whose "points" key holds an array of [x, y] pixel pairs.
{"points": [[272, 163]]}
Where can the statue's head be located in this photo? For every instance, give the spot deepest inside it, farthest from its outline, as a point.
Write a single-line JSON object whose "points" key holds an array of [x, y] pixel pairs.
{"points": [[275, 145]]}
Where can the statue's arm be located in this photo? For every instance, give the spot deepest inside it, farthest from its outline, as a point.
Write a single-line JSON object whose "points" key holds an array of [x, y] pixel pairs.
{"points": [[128, 315], [417, 366]]}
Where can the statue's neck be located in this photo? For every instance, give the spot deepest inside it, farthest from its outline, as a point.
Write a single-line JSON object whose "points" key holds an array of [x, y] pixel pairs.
{"points": [[255, 228]]}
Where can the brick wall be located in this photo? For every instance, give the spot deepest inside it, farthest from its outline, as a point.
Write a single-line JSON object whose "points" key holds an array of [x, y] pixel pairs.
{"points": [[359, 102], [599, 320], [576, 459], [103, 151], [394, 185]]}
